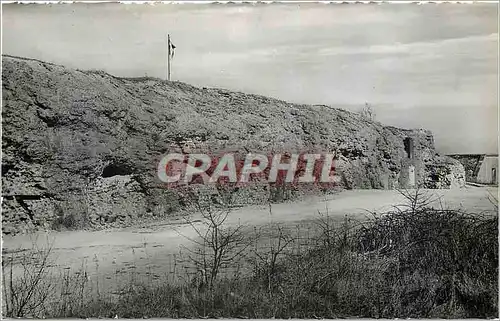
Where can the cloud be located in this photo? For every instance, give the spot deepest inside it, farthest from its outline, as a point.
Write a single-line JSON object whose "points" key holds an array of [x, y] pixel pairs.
{"points": [[422, 59], [415, 48]]}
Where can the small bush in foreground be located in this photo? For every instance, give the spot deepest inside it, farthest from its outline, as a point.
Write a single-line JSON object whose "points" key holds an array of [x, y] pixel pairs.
{"points": [[418, 262], [415, 261], [27, 294]]}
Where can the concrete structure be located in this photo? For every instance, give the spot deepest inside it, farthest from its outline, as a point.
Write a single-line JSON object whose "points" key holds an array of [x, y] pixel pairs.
{"points": [[480, 168], [488, 171], [410, 155], [411, 176]]}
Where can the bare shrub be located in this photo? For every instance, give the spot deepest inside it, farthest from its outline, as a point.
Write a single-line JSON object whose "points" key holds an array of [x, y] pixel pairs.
{"points": [[26, 294], [416, 199], [414, 261], [266, 262], [73, 291], [327, 230], [458, 250], [217, 243]]}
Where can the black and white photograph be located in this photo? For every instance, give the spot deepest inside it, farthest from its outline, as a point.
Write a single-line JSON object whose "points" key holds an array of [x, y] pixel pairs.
{"points": [[256, 160]]}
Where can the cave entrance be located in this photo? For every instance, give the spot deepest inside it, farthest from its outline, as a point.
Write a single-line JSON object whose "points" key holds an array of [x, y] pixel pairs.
{"points": [[116, 169]]}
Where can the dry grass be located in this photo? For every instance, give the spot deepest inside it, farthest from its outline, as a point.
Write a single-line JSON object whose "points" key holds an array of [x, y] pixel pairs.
{"points": [[412, 262], [26, 294]]}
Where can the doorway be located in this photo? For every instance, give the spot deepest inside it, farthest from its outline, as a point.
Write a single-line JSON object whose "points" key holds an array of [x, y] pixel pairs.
{"points": [[411, 176]]}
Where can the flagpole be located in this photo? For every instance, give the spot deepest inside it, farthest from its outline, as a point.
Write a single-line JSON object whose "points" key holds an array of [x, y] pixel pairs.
{"points": [[168, 59]]}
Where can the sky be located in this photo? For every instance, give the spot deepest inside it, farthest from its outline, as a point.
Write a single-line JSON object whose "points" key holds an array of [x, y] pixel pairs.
{"points": [[430, 66]]}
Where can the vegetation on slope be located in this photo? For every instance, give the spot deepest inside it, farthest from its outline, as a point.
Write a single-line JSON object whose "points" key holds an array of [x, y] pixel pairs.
{"points": [[415, 261]]}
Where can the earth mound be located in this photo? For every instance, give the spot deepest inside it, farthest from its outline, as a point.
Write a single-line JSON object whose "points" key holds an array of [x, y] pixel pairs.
{"points": [[80, 148]]}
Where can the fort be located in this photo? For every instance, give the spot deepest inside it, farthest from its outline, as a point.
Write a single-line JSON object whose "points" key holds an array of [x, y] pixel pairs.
{"points": [[480, 168], [84, 145]]}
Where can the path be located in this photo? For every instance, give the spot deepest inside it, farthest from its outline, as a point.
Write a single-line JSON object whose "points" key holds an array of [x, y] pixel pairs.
{"points": [[117, 251]]}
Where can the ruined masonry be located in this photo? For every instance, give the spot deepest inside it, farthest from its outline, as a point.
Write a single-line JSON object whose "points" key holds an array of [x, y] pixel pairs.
{"points": [[80, 148]]}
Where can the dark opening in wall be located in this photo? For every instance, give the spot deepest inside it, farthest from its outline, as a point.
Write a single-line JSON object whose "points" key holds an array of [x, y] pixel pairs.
{"points": [[434, 177], [116, 169], [6, 168], [408, 142]]}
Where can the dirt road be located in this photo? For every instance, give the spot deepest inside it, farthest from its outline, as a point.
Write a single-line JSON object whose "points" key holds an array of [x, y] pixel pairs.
{"points": [[151, 248]]}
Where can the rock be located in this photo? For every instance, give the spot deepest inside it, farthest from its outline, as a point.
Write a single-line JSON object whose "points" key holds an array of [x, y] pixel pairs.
{"points": [[445, 172], [80, 148]]}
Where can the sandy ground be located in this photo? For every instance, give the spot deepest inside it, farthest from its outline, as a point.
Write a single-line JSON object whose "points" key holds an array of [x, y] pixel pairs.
{"points": [[152, 249]]}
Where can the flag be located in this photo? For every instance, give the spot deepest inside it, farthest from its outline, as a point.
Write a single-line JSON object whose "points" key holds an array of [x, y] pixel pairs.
{"points": [[171, 48]]}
